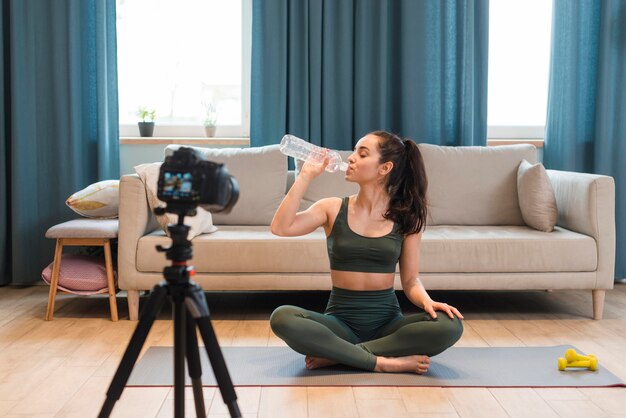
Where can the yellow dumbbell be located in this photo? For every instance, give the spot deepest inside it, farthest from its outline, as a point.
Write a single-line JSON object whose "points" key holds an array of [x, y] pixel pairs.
{"points": [[574, 359], [571, 355]]}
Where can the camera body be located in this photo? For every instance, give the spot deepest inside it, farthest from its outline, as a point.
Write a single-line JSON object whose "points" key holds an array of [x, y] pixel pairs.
{"points": [[187, 181]]}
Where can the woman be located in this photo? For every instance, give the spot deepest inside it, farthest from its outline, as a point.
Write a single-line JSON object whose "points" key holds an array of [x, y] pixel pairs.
{"points": [[367, 234]]}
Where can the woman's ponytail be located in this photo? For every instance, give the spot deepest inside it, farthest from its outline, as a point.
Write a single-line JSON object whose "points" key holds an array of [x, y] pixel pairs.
{"points": [[406, 184]]}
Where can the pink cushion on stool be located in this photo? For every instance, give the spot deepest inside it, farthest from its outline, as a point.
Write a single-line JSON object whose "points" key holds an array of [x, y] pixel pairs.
{"points": [[80, 274]]}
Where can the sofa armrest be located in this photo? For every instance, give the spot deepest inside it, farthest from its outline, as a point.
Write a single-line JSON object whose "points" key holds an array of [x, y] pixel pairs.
{"points": [[586, 204], [136, 220]]}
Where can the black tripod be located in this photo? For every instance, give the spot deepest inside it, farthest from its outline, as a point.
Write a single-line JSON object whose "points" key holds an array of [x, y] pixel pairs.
{"points": [[190, 309]]}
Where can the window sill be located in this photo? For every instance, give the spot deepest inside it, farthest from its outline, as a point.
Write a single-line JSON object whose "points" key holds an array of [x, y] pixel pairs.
{"points": [[135, 140], [495, 142]]}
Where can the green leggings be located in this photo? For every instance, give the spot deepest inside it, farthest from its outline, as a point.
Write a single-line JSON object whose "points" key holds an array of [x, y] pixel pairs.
{"points": [[357, 326]]}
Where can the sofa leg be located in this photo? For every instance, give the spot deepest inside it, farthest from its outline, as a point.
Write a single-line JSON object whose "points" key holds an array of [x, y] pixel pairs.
{"points": [[597, 296], [133, 304]]}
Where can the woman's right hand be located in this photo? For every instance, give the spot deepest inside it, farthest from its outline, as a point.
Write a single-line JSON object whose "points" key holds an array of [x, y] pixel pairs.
{"points": [[287, 221], [311, 169]]}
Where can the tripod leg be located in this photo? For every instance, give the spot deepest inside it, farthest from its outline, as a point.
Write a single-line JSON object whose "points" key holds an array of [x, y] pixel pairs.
{"points": [[193, 363], [180, 315], [219, 365], [199, 309], [155, 302]]}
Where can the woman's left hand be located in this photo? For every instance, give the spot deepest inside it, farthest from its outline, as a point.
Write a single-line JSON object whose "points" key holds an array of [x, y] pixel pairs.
{"points": [[431, 306]]}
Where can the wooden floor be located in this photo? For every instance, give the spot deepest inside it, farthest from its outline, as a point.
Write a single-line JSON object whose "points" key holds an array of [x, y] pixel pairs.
{"points": [[64, 367]]}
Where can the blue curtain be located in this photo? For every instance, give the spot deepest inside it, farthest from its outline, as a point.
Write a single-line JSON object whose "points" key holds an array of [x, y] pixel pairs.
{"points": [[586, 120], [331, 71], [59, 120], [4, 167]]}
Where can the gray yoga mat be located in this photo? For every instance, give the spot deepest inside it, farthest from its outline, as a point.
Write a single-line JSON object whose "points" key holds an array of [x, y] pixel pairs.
{"points": [[459, 367]]}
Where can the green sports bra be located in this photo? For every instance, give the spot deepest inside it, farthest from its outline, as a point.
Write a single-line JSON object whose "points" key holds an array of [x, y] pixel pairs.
{"points": [[349, 251]]}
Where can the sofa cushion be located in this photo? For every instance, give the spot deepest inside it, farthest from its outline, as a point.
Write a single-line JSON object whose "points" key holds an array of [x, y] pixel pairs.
{"points": [[536, 197], [261, 173], [474, 185], [467, 185], [328, 184], [450, 249], [505, 249], [250, 249]]}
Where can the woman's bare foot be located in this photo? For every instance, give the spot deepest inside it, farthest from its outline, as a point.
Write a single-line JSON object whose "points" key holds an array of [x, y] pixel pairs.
{"points": [[317, 362], [414, 364]]}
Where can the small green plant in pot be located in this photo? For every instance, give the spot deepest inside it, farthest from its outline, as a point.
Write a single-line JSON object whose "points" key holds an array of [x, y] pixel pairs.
{"points": [[146, 128], [210, 119]]}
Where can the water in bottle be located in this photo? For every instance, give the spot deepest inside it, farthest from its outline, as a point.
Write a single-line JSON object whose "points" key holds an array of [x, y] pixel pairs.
{"points": [[302, 150]]}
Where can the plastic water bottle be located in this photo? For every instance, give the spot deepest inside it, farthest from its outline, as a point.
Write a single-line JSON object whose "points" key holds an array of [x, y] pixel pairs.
{"points": [[302, 150]]}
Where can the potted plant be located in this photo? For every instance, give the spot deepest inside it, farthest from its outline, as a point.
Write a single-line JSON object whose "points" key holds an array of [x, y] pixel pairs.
{"points": [[210, 119], [146, 128]]}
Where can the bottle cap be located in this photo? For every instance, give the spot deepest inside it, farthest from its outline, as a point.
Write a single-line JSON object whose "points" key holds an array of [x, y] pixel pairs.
{"points": [[343, 166]]}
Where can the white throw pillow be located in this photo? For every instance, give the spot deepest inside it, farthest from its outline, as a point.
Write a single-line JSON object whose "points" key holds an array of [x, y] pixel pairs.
{"points": [[98, 200], [202, 223], [536, 197]]}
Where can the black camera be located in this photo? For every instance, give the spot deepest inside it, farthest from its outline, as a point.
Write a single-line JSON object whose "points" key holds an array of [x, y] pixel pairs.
{"points": [[186, 180]]}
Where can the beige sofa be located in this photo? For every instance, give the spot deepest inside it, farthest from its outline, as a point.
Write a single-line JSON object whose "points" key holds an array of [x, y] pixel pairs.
{"points": [[476, 238]]}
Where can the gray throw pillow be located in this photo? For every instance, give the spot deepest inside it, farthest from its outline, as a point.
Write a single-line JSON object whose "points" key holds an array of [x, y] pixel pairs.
{"points": [[262, 176], [474, 185], [536, 197]]}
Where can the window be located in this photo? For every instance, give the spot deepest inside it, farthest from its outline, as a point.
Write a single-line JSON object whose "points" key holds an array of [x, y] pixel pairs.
{"points": [[519, 65], [185, 59]]}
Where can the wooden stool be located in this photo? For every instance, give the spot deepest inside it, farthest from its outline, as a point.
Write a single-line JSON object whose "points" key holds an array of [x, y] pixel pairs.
{"points": [[79, 232]]}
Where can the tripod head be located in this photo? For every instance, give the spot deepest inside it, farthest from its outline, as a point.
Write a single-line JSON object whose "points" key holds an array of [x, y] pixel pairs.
{"points": [[180, 251]]}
